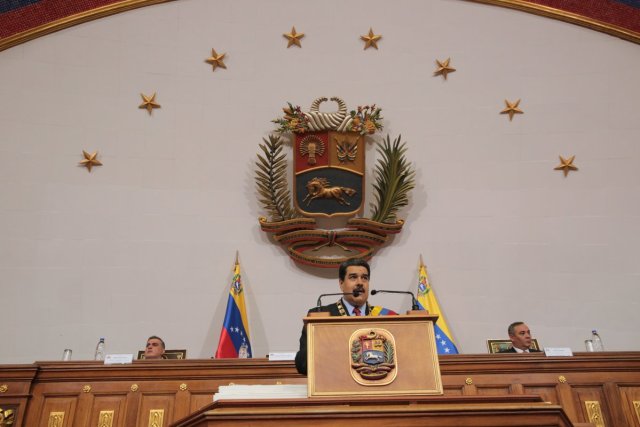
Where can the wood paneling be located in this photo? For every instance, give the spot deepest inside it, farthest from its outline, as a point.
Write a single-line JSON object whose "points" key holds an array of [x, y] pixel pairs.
{"points": [[82, 390]]}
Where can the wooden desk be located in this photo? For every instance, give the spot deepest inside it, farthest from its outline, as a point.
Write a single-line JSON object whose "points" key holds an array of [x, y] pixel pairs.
{"points": [[429, 411], [132, 394]]}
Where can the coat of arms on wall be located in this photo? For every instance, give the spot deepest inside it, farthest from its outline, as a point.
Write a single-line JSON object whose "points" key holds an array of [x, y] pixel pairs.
{"points": [[323, 224]]}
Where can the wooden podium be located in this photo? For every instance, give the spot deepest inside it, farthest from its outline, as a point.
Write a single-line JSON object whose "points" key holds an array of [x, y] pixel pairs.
{"points": [[372, 355]]}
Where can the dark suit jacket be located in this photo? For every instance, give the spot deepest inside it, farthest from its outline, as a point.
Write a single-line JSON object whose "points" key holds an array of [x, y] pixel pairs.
{"points": [[513, 350], [335, 309]]}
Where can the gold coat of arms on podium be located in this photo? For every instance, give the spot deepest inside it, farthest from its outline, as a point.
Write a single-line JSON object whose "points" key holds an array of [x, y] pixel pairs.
{"points": [[322, 223]]}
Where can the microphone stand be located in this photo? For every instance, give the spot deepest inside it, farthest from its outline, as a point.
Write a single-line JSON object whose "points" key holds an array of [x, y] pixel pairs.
{"points": [[414, 301], [319, 302]]}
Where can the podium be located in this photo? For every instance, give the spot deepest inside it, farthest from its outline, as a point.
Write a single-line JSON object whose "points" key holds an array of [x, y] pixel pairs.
{"points": [[372, 355]]}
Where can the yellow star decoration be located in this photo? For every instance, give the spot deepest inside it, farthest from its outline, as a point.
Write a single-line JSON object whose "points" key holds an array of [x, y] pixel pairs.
{"points": [[216, 60], [90, 160], [512, 109], [293, 37], [566, 165], [149, 102], [371, 39], [443, 68]]}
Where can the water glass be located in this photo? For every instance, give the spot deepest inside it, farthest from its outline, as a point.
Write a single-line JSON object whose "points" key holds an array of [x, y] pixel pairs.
{"points": [[67, 354]]}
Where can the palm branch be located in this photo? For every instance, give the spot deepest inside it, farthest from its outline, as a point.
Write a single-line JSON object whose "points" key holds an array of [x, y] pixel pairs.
{"points": [[394, 177], [271, 180]]}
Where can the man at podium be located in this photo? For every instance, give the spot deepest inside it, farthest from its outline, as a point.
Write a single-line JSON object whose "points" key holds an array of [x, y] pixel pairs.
{"points": [[353, 279]]}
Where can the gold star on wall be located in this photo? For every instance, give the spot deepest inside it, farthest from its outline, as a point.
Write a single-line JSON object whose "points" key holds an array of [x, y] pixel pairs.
{"points": [[566, 165], [371, 39], [443, 68], [149, 102], [512, 109], [90, 160], [293, 38], [216, 60]]}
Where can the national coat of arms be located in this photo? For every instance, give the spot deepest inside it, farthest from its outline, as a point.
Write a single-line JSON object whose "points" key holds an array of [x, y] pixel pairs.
{"points": [[329, 184], [373, 357]]}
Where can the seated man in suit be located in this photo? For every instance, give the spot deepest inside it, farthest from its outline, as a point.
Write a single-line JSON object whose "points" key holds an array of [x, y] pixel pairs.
{"points": [[353, 279], [520, 337], [154, 348]]}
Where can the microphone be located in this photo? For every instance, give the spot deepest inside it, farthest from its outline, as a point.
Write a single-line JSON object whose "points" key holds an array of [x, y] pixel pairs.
{"points": [[414, 301], [356, 293]]}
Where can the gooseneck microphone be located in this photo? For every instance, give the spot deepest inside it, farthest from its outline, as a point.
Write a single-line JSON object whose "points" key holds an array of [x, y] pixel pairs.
{"points": [[356, 293], [414, 301]]}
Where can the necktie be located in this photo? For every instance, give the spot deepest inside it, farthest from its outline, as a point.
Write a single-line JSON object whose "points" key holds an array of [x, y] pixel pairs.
{"points": [[357, 312]]}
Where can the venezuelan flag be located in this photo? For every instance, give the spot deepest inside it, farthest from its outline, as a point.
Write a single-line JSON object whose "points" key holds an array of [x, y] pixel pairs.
{"points": [[427, 300], [234, 337]]}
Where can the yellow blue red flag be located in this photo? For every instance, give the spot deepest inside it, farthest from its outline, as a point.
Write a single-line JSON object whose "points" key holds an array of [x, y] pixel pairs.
{"points": [[427, 301], [234, 337]]}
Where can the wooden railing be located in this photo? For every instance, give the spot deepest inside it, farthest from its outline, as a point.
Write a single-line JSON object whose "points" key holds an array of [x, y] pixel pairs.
{"points": [[598, 388]]}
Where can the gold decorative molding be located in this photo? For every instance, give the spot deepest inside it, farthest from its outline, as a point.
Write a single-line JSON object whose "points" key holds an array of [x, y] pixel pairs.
{"points": [[78, 18], [636, 406], [594, 412], [7, 417], [4, 388], [105, 419], [562, 15], [156, 417], [134, 387], [562, 379], [183, 387], [86, 388], [468, 381], [126, 5], [56, 419]]}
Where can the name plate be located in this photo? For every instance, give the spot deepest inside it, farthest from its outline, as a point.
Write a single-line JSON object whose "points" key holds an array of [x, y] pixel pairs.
{"points": [[558, 351], [287, 355], [118, 359]]}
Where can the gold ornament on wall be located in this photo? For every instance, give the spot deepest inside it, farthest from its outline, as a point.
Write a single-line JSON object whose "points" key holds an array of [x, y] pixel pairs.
{"points": [[566, 165], [90, 160], [149, 102], [216, 60], [293, 38], [512, 109], [371, 39], [443, 68]]}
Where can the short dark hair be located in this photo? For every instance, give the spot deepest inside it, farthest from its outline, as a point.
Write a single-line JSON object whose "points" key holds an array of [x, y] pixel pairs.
{"points": [[512, 328], [352, 262], [155, 337]]}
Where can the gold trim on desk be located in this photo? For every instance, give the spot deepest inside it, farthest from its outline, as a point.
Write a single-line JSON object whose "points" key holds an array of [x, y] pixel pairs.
{"points": [[105, 419], [56, 419], [156, 417], [594, 412]]}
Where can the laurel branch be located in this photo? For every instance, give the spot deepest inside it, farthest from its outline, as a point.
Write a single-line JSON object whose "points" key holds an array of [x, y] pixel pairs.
{"points": [[394, 177], [271, 180]]}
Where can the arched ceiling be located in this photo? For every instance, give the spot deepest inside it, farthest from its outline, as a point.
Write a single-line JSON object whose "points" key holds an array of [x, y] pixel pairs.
{"points": [[24, 20]]}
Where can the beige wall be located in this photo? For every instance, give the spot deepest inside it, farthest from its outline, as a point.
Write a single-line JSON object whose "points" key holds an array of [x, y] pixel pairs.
{"points": [[145, 244]]}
